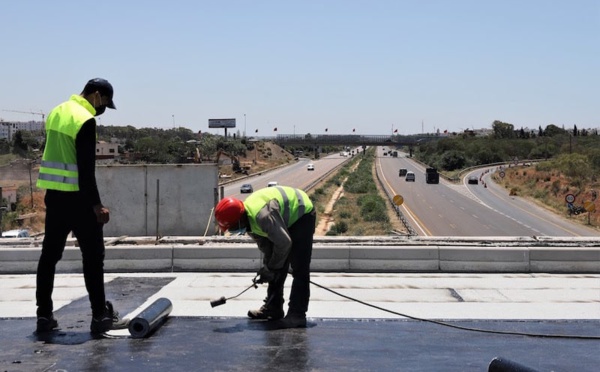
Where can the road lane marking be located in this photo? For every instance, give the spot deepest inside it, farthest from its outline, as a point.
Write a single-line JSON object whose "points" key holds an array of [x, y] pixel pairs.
{"points": [[500, 196], [417, 222]]}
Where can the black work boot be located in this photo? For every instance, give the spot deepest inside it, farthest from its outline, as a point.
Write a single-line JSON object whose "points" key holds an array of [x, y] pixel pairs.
{"points": [[46, 324], [267, 313], [292, 320], [108, 321]]}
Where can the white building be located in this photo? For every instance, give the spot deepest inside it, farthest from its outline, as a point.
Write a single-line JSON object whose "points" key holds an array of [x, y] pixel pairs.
{"points": [[8, 129], [4, 130], [105, 150]]}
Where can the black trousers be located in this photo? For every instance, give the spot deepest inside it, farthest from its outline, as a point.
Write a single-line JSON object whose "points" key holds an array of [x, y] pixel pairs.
{"points": [[66, 212], [301, 232]]}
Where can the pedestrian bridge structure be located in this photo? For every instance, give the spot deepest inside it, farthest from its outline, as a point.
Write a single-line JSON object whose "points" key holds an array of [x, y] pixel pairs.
{"points": [[351, 139]]}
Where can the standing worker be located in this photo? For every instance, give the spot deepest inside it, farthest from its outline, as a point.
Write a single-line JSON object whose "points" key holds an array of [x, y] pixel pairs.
{"points": [[73, 203], [281, 220]]}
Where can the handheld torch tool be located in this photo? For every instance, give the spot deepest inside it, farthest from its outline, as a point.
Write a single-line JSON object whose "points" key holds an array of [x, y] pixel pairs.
{"points": [[223, 299]]}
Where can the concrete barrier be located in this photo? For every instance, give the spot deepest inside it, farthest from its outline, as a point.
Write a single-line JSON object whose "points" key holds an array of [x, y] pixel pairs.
{"points": [[355, 254], [564, 259], [394, 259], [484, 259], [216, 258]]}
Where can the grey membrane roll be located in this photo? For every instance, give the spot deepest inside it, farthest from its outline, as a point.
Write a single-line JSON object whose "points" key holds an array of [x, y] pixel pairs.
{"points": [[151, 318]]}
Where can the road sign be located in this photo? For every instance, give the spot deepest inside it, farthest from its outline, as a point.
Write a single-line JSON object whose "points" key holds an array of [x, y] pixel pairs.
{"points": [[398, 200], [501, 174], [570, 198], [589, 206]]}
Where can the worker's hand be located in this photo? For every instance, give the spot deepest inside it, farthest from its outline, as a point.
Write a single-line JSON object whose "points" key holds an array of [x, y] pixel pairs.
{"points": [[265, 275], [102, 213]]}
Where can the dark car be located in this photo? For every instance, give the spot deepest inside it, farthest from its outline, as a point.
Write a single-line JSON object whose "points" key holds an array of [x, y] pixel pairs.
{"points": [[246, 188], [473, 180]]}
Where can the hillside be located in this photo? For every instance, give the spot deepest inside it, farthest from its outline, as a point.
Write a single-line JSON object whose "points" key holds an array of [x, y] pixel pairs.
{"points": [[549, 188], [263, 156]]}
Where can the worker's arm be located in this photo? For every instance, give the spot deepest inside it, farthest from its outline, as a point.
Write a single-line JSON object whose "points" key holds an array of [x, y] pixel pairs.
{"points": [[85, 145], [270, 221]]}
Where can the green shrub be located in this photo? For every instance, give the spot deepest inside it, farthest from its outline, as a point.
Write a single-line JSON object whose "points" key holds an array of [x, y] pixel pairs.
{"points": [[340, 227], [345, 214]]}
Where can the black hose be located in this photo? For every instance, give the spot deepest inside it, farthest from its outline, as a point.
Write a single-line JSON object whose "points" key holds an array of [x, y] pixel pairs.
{"points": [[577, 337]]}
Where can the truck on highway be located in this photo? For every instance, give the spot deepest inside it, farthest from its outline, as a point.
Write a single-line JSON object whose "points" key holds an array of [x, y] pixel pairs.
{"points": [[432, 175]]}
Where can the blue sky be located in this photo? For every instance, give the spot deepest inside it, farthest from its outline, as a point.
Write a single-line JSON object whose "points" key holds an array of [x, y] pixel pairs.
{"points": [[303, 66]]}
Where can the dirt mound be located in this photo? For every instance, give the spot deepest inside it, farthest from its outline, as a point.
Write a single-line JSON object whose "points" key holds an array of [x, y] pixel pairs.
{"points": [[264, 155]]}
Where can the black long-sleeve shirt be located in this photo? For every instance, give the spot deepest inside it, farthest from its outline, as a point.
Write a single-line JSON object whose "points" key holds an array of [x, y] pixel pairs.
{"points": [[85, 146]]}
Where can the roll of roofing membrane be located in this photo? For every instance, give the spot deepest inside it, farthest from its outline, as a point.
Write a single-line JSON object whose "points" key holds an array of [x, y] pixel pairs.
{"points": [[500, 364], [150, 319]]}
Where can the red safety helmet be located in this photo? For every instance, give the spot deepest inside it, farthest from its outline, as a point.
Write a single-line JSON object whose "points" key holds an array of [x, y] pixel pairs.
{"points": [[228, 212]]}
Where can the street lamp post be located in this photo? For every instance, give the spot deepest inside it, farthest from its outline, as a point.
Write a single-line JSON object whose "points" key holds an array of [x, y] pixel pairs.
{"points": [[30, 162], [244, 125]]}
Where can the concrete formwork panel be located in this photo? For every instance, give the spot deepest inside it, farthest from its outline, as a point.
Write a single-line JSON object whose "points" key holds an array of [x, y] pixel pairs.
{"points": [[158, 200]]}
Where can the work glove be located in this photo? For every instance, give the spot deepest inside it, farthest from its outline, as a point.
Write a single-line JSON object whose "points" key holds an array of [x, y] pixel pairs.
{"points": [[265, 275]]}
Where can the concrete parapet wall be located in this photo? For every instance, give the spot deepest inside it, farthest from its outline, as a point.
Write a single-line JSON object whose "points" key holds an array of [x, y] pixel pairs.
{"points": [[213, 258], [196, 254], [564, 259], [489, 259]]}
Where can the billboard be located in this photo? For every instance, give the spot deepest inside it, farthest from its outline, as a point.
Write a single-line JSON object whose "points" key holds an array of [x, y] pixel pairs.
{"points": [[221, 123]]}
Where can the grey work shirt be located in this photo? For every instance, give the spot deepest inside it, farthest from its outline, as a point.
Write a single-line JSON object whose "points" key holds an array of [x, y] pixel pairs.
{"points": [[278, 243]]}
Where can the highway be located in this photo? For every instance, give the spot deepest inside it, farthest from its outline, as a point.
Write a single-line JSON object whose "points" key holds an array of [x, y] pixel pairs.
{"points": [[444, 209], [448, 209], [295, 175]]}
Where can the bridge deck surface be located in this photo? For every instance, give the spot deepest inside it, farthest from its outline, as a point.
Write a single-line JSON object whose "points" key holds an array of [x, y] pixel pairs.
{"points": [[341, 334]]}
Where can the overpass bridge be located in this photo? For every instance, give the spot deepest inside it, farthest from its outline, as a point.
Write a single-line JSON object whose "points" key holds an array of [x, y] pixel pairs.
{"points": [[351, 139]]}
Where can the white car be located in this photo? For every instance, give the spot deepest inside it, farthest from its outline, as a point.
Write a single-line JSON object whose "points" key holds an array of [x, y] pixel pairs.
{"points": [[272, 184], [410, 176], [310, 167], [15, 234]]}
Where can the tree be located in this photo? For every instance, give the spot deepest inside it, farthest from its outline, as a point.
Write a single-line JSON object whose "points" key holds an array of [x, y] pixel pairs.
{"points": [[553, 130], [19, 144], [452, 160], [503, 130], [576, 166], [594, 159], [4, 146]]}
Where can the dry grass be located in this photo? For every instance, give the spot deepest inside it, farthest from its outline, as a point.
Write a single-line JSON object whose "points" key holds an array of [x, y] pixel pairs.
{"points": [[549, 189]]}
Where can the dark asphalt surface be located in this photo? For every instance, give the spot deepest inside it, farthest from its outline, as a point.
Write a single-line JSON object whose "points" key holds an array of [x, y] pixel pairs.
{"points": [[238, 344]]}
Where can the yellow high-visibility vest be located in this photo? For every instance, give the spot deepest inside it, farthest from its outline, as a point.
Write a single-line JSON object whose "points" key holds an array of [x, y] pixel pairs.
{"points": [[293, 204], [58, 170]]}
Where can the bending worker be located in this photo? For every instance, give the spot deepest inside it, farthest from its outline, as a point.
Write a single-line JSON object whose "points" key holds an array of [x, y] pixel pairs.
{"points": [[281, 220], [67, 172]]}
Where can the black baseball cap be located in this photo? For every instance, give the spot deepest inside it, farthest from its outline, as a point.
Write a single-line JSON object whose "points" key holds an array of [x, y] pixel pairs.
{"points": [[103, 87]]}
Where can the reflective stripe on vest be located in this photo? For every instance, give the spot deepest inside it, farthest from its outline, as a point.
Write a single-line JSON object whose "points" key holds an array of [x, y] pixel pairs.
{"points": [[286, 205]]}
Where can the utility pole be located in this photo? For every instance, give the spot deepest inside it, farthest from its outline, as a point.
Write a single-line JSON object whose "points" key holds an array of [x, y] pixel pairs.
{"points": [[30, 163]]}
